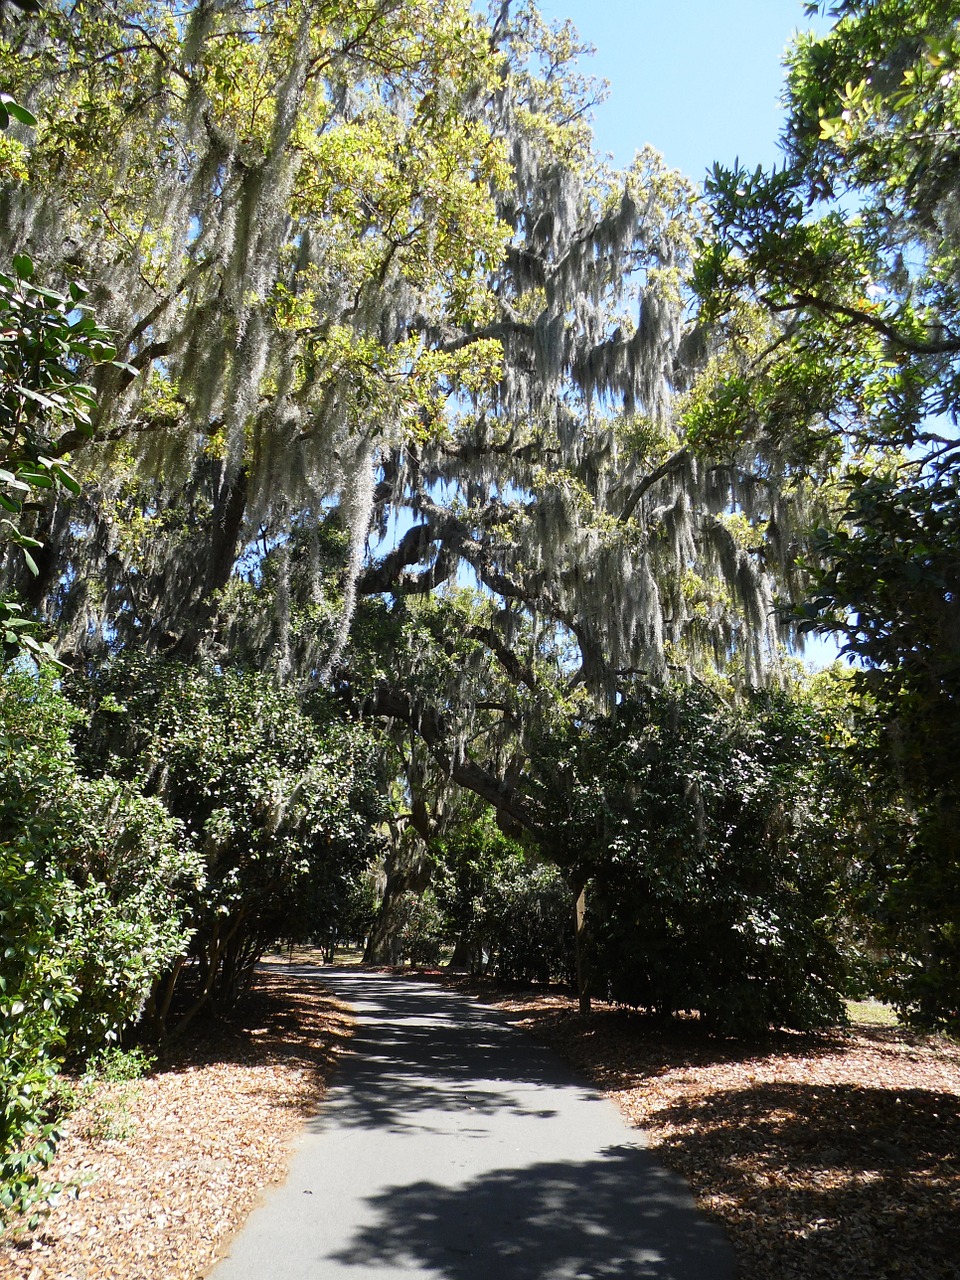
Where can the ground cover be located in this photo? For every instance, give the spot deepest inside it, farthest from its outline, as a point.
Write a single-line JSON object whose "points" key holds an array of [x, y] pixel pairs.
{"points": [[159, 1188], [823, 1156]]}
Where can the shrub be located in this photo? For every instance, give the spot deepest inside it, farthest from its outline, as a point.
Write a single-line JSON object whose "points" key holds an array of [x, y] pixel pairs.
{"points": [[705, 836]]}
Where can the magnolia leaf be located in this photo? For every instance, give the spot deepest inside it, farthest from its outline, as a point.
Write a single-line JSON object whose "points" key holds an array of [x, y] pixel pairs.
{"points": [[23, 266]]}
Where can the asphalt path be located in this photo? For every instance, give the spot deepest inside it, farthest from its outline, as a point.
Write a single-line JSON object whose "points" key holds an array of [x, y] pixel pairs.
{"points": [[451, 1146]]}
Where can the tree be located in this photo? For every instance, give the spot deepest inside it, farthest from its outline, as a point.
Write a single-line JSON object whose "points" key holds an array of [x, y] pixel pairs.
{"points": [[319, 319], [45, 340], [277, 803], [850, 252], [396, 328], [706, 831]]}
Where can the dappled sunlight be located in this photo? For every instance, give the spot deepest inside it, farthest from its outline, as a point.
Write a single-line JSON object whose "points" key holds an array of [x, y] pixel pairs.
{"points": [[600, 1218]]}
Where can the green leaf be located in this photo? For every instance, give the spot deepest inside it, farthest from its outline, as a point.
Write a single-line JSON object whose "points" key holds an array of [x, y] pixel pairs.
{"points": [[38, 479], [66, 479], [23, 266], [33, 395], [20, 113]]}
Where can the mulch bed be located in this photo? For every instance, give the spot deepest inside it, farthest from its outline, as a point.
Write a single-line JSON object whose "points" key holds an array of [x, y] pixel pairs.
{"points": [[823, 1156], [207, 1132]]}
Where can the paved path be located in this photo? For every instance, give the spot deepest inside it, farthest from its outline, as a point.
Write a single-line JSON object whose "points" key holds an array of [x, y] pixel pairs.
{"points": [[452, 1147]]}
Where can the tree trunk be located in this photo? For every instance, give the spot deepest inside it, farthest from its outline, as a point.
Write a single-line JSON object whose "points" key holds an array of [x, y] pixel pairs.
{"points": [[408, 871], [466, 956], [583, 975]]}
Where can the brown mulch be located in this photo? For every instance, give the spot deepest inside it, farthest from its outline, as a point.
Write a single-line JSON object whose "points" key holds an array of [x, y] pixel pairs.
{"points": [[207, 1132], [823, 1156]]}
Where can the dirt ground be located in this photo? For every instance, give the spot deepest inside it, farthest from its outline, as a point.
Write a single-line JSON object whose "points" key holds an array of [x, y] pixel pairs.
{"points": [[824, 1156]]}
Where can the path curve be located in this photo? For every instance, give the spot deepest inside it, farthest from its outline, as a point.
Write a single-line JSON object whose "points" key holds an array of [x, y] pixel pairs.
{"points": [[451, 1146]]}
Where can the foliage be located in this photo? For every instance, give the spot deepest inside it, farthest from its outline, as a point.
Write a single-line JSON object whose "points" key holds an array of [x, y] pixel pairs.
{"points": [[279, 805], [369, 268], [421, 936], [35, 990], [851, 251], [45, 409], [120, 878], [704, 834], [94, 899], [505, 915]]}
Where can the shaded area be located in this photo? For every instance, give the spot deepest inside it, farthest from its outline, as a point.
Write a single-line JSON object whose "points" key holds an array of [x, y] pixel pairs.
{"points": [[617, 1047], [429, 1053], [826, 1155], [282, 1020], [614, 1216], [863, 1182], [451, 1146], [207, 1130]]}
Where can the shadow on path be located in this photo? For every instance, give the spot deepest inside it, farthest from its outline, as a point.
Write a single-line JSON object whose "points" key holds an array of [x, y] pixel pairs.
{"points": [[419, 1051], [615, 1216], [451, 1146]]}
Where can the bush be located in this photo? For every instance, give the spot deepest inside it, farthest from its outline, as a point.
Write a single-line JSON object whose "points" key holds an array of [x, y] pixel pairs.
{"points": [[279, 805], [423, 936], [91, 910], [502, 914], [704, 833]]}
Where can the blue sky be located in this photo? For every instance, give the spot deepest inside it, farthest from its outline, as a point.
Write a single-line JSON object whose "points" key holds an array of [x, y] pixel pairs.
{"points": [[699, 79]]}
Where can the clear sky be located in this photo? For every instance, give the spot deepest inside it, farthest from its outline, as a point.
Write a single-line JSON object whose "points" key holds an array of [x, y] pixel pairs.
{"points": [[699, 79]]}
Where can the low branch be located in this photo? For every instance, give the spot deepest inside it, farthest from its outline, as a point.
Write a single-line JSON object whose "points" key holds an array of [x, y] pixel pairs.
{"points": [[435, 731]]}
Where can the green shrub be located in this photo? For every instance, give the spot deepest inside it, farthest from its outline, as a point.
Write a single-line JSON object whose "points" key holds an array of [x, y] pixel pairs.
{"points": [[704, 832], [93, 901], [505, 916], [279, 805], [422, 938]]}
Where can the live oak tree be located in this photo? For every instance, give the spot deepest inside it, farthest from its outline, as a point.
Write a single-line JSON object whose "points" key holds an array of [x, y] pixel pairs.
{"points": [[388, 325], [366, 257]]}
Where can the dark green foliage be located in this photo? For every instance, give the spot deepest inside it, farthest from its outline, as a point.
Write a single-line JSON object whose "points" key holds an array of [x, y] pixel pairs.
{"points": [[890, 592], [279, 804], [92, 902], [504, 915], [705, 840], [850, 253], [421, 936], [35, 990], [46, 409]]}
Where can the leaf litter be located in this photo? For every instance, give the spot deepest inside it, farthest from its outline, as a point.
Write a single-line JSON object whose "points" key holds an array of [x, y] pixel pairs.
{"points": [[824, 1156], [207, 1131]]}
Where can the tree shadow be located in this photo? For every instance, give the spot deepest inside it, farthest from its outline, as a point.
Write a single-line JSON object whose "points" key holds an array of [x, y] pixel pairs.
{"points": [[865, 1182], [616, 1216], [282, 1020], [419, 1052], [619, 1048]]}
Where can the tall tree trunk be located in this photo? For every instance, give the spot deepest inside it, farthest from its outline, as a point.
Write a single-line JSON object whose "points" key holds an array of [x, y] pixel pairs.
{"points": [[583, 973], [408, 871]]}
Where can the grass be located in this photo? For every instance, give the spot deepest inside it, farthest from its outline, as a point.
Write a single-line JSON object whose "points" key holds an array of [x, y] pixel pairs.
{"points": [[871, 1013]]}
